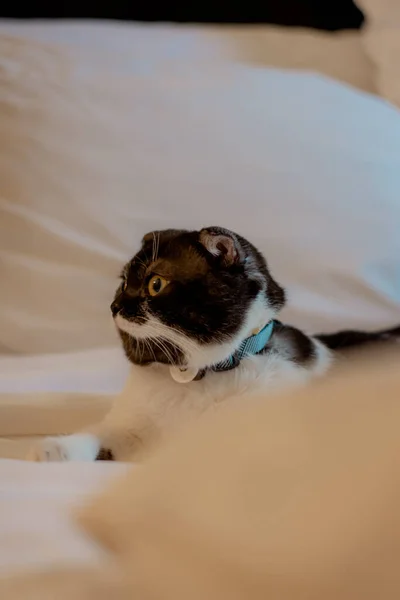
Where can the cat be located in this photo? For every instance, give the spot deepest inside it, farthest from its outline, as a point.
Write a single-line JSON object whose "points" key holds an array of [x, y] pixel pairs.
{"points": [[197, 315]]}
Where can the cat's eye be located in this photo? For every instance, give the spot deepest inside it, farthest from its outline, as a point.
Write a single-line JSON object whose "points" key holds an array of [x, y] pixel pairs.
{"points": [[124, 285], [156, 285]]}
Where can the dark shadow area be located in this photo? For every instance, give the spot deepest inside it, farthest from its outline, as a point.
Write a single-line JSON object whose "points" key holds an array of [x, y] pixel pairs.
{"points": [[330, 15]]}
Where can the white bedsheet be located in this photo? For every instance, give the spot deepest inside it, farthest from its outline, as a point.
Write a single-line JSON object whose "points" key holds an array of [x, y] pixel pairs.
{"points": [[59, 393], [37, 528]]}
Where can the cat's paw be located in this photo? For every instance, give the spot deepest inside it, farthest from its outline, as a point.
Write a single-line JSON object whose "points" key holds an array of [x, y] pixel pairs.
{"points": [[77, 447]]}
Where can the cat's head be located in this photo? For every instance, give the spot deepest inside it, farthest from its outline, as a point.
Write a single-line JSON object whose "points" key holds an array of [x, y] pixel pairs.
{"points": [[189, 298]]}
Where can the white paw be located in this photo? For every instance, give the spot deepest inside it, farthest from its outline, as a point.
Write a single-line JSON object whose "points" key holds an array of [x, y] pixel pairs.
{"points": [[77, 447]]}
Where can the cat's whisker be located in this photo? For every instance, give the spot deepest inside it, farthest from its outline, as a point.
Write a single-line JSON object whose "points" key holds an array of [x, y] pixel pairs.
{"points": [[151, 351], [177, 338], [168, 332], [140, 261], [135, 345], [157, 331], [162, 346], [191, 350], [153, 257], [138, 348], [159, 343], [158, 245], [185, 341], [144, 348]]}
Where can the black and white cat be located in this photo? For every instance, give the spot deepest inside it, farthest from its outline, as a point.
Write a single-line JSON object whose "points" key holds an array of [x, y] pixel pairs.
{"points": [[196, 312]]}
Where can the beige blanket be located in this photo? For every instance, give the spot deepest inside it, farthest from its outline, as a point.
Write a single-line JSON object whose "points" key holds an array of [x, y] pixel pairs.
{"points": [[291, 499]]}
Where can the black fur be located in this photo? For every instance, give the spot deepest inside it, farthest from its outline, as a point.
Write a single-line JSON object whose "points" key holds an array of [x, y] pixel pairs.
{"points": [[105, 454], [352, 338], [298, 346], [328, 14]]}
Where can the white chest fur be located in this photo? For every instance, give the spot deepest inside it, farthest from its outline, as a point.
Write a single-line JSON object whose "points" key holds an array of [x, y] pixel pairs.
{"points": [[152, 400], [153, 405]]}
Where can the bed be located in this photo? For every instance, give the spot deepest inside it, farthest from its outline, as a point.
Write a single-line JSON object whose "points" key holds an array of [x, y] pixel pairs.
{"points": [[300, 127]]}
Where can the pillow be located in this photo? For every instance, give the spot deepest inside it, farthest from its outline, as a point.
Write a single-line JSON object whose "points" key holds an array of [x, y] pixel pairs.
{"points": [[95, 152], [340, 55]]}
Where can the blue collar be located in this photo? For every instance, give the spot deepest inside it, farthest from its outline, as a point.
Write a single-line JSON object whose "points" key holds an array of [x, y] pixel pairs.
{"points": [[249, 347]]}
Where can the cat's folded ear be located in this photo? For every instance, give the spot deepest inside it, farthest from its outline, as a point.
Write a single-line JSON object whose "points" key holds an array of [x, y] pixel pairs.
{"points": [[222, 243]]}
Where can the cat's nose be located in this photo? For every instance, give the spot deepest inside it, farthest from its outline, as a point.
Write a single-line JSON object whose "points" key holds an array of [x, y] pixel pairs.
{"points": [[115, 308]]}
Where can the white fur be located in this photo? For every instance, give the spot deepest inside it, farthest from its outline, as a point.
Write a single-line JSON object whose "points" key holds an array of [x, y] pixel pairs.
{"points": [[154, 405], [77, 447]]}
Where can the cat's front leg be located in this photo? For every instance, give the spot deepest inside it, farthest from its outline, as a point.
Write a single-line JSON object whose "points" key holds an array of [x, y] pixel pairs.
{"points": [[65, 448], [125, 433], [114, 443]]}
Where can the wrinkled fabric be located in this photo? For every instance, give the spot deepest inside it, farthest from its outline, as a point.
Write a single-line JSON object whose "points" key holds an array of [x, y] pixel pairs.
{"points": [[99, 147]]}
